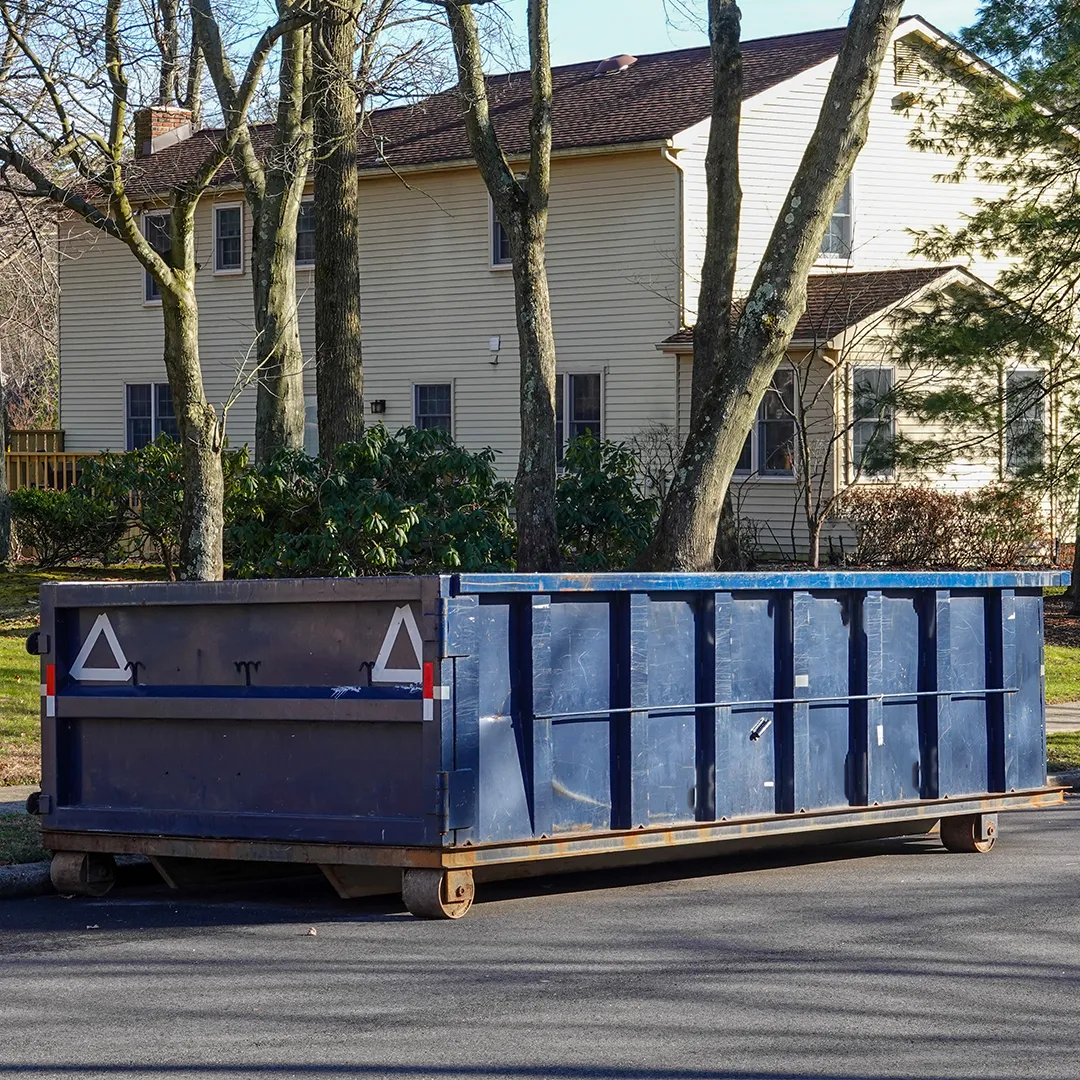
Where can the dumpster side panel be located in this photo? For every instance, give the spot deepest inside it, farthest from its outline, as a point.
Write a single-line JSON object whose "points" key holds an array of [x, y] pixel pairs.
{"points": [[750, 738], [963, 728], [664, 666], [504, 757], [823, 744], [894, 644], [1025, 729], [580, 684], [304, 711]]}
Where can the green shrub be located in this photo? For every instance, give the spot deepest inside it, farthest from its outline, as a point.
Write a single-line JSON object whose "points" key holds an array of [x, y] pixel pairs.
{"points": [[148, 483], [414, 502], [923, 528], [605, 519], [60, 527]]}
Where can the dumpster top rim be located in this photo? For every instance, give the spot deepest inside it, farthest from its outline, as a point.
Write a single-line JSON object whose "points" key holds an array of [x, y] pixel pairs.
{"points": [[763, 581]]}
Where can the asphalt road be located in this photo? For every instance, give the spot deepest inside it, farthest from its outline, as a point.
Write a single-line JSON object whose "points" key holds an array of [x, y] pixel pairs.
{"points": [[882, 959]]}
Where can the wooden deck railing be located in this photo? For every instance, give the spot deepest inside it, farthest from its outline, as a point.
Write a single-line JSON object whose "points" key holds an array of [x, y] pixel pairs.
{"points": [[55, 471], [37, 441]]}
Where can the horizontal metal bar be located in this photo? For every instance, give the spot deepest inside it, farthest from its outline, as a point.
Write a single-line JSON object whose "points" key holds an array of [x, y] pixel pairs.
{"points": [[765, 702]]}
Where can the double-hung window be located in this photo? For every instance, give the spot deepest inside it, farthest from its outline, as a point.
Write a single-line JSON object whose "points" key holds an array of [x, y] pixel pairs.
{"points": [[433, 407], [500, 242], [311, 425], [578, 408], [873, 419], [1024, 421], [229, 239], [157, 228], [769, 449], [305, 234], [839, 239], [150, 414]]}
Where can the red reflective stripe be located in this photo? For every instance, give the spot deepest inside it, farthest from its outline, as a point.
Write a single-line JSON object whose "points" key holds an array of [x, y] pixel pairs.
{"points": [[429, 681], [50, 679]]}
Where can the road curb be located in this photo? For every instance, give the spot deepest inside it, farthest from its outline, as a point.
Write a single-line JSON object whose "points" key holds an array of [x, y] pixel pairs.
{"points": [[26, 879], [1070, 780]]}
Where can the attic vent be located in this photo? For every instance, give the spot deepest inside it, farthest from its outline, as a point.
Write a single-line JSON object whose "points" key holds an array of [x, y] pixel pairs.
{"points": [[907, 62], [614, 64]]}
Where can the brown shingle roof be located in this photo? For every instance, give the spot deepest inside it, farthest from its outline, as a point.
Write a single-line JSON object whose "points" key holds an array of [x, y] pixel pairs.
{"points": [[838, 301], [653, 100]]}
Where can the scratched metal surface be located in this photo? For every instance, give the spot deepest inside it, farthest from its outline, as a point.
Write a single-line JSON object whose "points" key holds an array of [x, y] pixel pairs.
{"points": [[442, 712]]}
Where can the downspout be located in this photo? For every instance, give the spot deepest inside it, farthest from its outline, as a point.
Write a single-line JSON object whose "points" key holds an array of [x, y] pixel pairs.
{"points": [[680, 204]]}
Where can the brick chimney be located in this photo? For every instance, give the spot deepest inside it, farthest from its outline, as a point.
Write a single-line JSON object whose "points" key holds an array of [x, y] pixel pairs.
{"points": [[158, 126]]}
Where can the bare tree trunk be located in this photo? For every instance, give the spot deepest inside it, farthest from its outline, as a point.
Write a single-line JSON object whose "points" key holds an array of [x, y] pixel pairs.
{"points": [[279, 409], [535, 485], [339, 364], [522, 209], [279, 405], [193, 91], [726, 407], [1074, 588], [169, 44], [274, 190], [727, 553], [202, 522]]}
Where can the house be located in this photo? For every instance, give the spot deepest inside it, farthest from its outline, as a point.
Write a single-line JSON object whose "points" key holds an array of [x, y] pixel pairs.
{"points": [[625, 246]]}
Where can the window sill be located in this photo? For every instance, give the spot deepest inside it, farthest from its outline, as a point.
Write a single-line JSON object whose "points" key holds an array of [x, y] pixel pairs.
{"points": [[498, 267], [152, 303], [305, 266], [766, 478], [238, 272], [833, 262]]}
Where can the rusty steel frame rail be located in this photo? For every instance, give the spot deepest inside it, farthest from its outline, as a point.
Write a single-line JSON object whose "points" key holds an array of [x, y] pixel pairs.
{"points": [[687, 837]]}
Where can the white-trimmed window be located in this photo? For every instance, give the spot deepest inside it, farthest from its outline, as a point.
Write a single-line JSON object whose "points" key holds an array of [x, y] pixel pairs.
{"points": [[579, 408], [769, 449], [500, 242], [305, 234], [229, 238], [873, 419], [157, 228], [1024, 420], [311, 425], [433, 406], [149, 413], [839, 239]]}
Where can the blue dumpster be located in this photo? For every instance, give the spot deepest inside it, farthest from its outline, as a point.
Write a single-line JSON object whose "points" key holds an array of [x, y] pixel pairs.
{"points": [[449, 728]]}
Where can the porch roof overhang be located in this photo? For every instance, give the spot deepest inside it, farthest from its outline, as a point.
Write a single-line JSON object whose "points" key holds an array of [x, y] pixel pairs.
{"points": [[841, 301]]}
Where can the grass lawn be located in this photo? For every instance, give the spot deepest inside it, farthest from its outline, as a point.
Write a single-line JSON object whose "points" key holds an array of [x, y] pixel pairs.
{"points": [[20, 674], [20, 840], [1063, 751], [1062, 674]]}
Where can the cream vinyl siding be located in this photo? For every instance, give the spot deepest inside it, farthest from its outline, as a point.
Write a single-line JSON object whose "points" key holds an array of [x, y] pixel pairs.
{"points": [[431, 305], [895, 186], [109, 337]]}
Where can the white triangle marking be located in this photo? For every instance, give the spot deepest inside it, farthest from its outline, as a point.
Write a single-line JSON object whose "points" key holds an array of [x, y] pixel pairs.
{"points": [[380, 672], [80, 671]]}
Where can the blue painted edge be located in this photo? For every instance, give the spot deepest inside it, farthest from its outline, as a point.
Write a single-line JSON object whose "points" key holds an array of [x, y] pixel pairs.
{"points": [[756, 582]]}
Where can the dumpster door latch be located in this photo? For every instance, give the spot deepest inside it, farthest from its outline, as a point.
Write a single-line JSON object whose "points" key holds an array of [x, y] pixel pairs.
{"points": [[457, 800]]}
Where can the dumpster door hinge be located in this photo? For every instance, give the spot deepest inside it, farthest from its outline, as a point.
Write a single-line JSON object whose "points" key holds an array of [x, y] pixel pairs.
{"points": [[457, 800]]}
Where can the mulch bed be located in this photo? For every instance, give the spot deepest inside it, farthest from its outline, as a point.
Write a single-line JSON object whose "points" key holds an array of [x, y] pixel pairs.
{"points": [[1061, 627]]}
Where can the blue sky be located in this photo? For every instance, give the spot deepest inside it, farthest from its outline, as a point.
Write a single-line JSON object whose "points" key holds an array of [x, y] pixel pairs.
{"points": [[592, 29]]}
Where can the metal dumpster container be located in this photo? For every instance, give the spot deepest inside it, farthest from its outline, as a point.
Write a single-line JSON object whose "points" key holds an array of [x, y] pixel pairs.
{"points": [[448, 728]]}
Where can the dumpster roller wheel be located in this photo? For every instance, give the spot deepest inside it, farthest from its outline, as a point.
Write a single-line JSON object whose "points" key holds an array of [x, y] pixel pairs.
{"points": [[437, 894], [81, 873], [969, 833]]}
